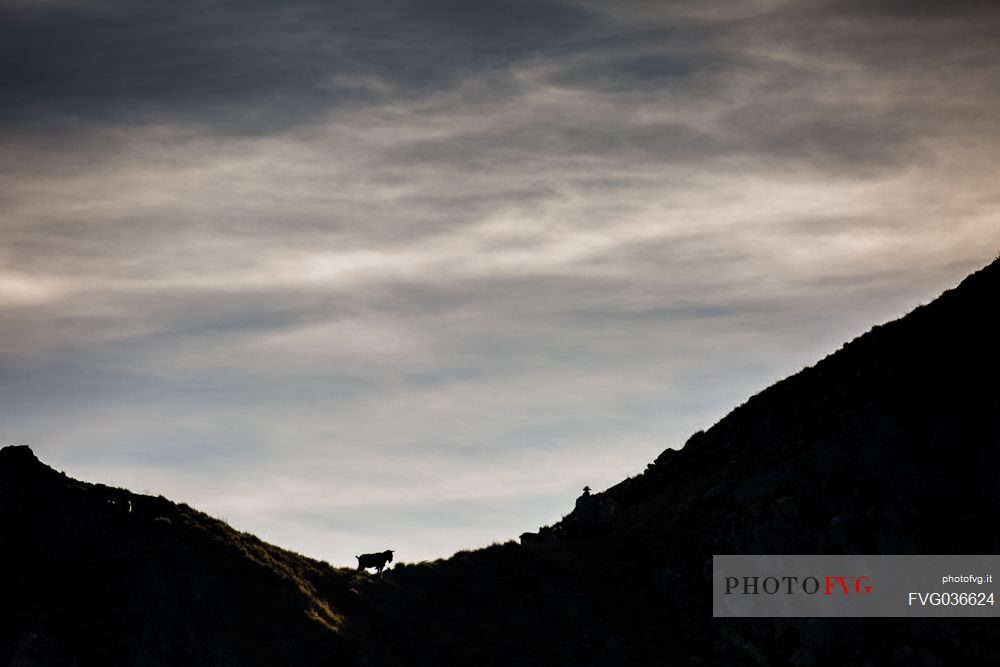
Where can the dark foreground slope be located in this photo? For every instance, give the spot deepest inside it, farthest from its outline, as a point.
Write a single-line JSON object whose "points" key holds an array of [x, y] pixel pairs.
{"points": [[890, 445], [93, 575]]}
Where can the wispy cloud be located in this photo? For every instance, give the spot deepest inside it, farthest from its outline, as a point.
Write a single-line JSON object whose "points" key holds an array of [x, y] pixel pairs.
{"points": [[343, 271]]}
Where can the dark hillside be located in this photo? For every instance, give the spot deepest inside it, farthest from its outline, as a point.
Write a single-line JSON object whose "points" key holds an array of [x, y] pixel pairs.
{"points": [[92, 575], [890, 445]]}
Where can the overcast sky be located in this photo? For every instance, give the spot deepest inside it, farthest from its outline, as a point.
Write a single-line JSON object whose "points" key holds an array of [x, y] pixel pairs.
{"points": [[408, 274]]}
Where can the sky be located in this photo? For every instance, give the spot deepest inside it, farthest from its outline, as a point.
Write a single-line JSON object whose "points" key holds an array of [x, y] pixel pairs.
{"points": [[408, 274]]}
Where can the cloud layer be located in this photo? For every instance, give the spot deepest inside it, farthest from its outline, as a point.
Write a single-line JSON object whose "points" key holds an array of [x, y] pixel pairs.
{"points": [[361, 275]]}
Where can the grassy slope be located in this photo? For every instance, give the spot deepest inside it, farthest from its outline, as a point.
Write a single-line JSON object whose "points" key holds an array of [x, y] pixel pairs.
{"points": [[82, 578]]}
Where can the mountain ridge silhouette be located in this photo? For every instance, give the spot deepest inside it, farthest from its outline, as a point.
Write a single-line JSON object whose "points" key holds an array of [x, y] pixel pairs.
{"points": [[889, 445]]}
